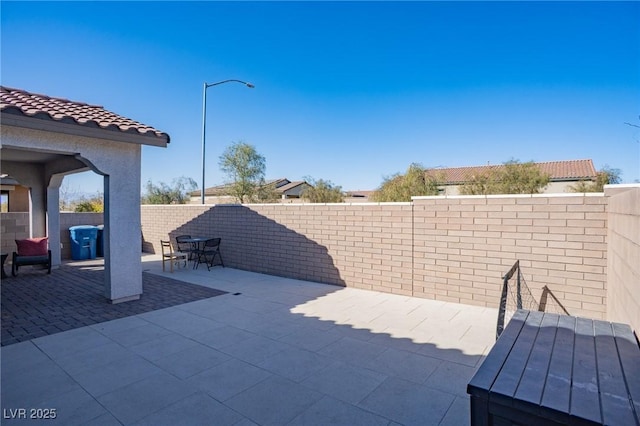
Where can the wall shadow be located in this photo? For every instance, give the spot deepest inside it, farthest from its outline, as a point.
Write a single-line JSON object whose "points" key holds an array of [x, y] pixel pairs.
{"points": [[256, 243]]}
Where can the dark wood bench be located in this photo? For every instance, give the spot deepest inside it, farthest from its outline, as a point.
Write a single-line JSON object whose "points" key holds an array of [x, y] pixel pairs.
{"points": [[30, 260], [549, 369]]}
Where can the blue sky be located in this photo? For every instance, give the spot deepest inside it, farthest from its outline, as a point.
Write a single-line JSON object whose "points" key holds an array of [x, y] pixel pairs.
{"points": [[345, 91]]}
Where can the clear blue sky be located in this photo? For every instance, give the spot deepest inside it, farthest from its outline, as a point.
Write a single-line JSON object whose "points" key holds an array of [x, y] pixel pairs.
{"points": [[345, 91]]}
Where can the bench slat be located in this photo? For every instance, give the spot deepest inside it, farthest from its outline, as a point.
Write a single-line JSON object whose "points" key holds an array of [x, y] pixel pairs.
{"points": [[491, 366], [630, 361], [616, 409], [557, 388], [506, 384], [531, 385], [585, 402]]}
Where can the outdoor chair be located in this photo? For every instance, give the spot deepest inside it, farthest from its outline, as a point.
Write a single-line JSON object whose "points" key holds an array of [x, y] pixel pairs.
{"points": [[185, 246], [173, 257], [208, 253], [31, 251]]}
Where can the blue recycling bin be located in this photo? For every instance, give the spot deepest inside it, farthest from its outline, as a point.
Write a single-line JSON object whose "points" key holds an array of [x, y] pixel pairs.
{"points": [[100, 241], [83, 242]]}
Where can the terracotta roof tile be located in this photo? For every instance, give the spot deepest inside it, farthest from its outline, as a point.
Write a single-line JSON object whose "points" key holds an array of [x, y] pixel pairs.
{"points": [[558, 170], [56, 109]]}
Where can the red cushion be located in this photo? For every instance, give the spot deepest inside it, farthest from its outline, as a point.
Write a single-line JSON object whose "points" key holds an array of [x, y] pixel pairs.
{"points": [[33, 246]]}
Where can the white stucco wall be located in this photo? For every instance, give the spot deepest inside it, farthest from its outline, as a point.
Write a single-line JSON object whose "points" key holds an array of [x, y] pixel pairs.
{"points": [[119, 163]]}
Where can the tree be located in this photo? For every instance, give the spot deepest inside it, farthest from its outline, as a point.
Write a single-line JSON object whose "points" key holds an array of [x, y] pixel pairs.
{"points": [[176, 193], [512, 177], [68, 197], [605, 176], [322, 191], [266, 193], [244, 168], [93, 204], [415, 182], [479, 184]]}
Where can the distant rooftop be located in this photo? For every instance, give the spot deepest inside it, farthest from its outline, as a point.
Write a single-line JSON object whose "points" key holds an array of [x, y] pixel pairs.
{"points": [[569, 170], [280, 185]]}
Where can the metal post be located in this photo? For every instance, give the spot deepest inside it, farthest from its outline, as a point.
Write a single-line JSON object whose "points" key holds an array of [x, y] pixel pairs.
{"points": [[204, 123], [204, 128], [519, 294]]}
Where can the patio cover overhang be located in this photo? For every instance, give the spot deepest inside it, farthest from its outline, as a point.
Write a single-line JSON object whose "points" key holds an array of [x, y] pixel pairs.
{"points": [[44, 139]]}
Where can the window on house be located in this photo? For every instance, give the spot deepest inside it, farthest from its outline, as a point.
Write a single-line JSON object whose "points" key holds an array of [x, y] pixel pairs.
{"points": [[4, 201]]}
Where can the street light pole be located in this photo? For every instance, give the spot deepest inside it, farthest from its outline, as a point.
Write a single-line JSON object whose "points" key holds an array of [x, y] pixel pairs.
{"points": [[204, 122]]}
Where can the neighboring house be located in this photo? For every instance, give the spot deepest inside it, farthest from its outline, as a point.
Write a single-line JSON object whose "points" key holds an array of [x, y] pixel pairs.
{"points": [[563, 175], [45, 139], [287, 190]]}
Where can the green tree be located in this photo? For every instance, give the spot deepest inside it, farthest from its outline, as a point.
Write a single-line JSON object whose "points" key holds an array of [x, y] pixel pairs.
{"points": [[162, 193], [322, 191], [512, 177], [244, 168], [93, 204], [415, 182], [266, 193], [67, 197], [605, 176], [481, 183]]}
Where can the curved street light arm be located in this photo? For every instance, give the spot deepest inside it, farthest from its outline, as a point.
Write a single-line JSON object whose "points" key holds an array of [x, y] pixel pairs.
{"points": [[249, 85]]}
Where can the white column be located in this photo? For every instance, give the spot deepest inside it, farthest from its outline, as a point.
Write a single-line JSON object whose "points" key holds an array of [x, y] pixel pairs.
{"points": [[53, 218], [122, 230]]}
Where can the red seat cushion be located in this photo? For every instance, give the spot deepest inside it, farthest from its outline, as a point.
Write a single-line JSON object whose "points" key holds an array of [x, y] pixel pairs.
{"points": [[33, 246]]}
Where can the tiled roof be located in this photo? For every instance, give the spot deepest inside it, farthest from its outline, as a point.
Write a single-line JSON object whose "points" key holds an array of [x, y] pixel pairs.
{"points": [[44, 107], [558, 170], [289, 186], [279, 185]]}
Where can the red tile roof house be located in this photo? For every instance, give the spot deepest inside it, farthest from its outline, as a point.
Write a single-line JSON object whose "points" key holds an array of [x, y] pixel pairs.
{"points": [[289, 191], [563, 174], [46, 138]]}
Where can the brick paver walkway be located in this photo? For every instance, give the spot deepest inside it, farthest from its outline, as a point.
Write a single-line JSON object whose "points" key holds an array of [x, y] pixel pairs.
{"points": [[35, 304]]}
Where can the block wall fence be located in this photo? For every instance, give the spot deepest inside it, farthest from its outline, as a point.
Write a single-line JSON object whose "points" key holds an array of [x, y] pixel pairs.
{"points": [[445, 248], [585, 248], [623, 276], [15, 226]]}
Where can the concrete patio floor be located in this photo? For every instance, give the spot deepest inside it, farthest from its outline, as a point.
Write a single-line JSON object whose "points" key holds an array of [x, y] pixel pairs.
{"points": [[273, 351]]}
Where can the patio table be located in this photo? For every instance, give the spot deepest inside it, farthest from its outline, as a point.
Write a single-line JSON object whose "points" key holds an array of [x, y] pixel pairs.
{"points": [[195, 244]]}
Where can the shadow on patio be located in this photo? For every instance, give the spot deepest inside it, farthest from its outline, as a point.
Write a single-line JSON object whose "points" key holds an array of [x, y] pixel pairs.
{"points": [[272, 351]]}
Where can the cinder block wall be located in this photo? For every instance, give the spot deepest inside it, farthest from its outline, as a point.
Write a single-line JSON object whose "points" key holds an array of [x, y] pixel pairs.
{"points": [[15, 226], [365, 246], [69, 219], [623, 278], [445, 248], [463, 245]]}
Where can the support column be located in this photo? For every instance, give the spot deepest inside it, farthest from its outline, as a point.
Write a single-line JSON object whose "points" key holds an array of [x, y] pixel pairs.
{"points": [[53, 218], [122, 235]]}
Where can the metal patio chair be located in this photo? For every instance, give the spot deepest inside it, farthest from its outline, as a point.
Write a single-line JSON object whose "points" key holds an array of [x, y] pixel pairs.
{"points": [[208, 253]]}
